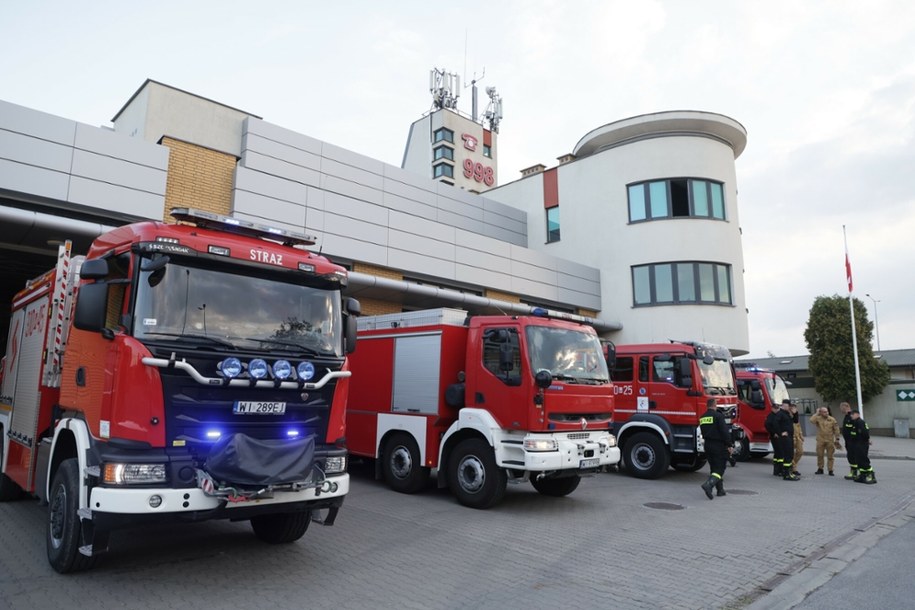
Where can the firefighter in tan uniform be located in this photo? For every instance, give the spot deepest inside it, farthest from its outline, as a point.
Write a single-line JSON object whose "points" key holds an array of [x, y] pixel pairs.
{"points": [[827, 438]]}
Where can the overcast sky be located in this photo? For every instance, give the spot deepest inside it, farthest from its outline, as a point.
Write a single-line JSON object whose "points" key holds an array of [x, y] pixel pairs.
{"points": [[825, 89]]}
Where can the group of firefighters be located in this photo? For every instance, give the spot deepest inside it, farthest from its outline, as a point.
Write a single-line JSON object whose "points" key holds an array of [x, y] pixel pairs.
{"points": [[784, 428]]}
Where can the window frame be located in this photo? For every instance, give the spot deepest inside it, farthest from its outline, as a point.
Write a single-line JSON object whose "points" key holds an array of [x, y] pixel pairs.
{"points": [[643, 199], [443, 170], [715, 272], [553, 235], [443, 152], [443, 134]]}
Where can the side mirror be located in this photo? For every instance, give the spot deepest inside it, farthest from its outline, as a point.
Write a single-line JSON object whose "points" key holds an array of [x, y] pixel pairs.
{"points": [[686, 372], [94, 269], [756, 398], [349, 338], [352, 306], [610, 353], [91, 305], [506, 357], [543, 379]]}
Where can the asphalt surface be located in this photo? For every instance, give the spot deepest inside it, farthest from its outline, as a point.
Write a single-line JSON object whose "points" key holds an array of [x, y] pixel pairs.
{"points": [[616, 541]]}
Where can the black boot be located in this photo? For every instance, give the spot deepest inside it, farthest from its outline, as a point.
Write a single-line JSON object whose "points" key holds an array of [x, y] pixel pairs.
{"points": [[788, 475], [776, 468], [719, 486], [707, 487]]}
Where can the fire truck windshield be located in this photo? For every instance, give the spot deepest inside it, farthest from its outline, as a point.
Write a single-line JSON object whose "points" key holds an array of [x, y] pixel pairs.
{"points": [[777, 390], [718, 377], [181, 302], [568, 355]]}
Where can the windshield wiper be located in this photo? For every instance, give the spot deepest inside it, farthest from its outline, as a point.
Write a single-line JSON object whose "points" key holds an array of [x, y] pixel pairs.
{"points": [[195, 337], [291, 345]]}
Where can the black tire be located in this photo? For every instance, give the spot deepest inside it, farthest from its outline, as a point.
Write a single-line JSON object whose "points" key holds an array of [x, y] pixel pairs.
{"points": [[64, 531], [556, 488], [9, 491], [281, 528], [758, 455], [473, 476], [741, 450], [401, 466], [646, 456]]}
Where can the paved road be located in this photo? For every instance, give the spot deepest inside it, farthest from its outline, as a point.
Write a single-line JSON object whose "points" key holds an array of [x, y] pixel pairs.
{"points": [[616, 541]]}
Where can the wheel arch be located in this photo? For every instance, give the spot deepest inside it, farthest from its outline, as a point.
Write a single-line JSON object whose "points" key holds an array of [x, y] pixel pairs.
{"points": [[644, 423], [457, 433], [71, 440]]}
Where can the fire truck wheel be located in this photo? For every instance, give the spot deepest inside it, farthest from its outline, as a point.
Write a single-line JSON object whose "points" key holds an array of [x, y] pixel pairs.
{"points": [[282, 527], [473, 476], [64, 533], [556, 488], [401, 464], [646, 456], [741, 450]]}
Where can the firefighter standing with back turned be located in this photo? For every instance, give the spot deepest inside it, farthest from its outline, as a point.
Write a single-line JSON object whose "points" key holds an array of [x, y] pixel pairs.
{"points": [[784, 427], [718, 445]]}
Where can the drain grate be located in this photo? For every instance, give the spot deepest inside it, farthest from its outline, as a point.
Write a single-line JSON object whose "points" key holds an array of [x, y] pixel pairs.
{"points": [[664, 506]]}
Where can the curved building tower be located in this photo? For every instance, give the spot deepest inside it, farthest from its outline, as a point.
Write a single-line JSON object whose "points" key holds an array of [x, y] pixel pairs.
{"points": [[651, 201]]}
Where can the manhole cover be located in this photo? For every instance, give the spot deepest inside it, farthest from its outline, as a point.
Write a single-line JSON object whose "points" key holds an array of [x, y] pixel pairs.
{"points": [[742, 492], [664, 506]]}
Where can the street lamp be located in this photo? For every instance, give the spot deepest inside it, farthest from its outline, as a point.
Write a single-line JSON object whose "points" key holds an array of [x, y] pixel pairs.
{"points": [[876, 323]]}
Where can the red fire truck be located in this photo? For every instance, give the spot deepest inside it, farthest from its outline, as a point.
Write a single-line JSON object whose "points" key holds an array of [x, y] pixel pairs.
{"points": [[758, 389], [661, 391], [178, 372], [482, 399]]}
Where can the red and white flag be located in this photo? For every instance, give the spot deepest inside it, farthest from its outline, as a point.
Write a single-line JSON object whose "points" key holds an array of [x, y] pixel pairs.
{"points": [[848, 273]]}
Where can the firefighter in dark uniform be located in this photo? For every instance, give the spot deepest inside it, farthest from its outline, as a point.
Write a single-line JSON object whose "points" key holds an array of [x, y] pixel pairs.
{"points": [[718, 446], [773, 438], [851, 447], [784, 428], [862, 439]]}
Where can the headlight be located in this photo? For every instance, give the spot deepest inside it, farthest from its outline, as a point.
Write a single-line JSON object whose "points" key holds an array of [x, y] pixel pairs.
{"points": [[282, 369], [610, 440], [230, 367], [540, 444], [305, 370], [133, 474], [335, 465], [257, 368]]}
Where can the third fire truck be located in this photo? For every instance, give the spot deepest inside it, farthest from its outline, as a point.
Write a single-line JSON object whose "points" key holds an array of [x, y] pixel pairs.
{"points": [[482, 399], [759, 389], [661, 391]]}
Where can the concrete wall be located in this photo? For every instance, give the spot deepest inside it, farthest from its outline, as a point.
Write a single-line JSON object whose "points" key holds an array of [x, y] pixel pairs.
{"points": [[48, 158], [368, 211]]}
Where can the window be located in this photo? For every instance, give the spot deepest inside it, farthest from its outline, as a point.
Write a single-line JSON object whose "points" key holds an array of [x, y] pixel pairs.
{"points": [[681, 283], [552, 224], [443, 134], [676, 198], [487, 151], [622, 370], [443, 152], [442, 169], [494, 341]]}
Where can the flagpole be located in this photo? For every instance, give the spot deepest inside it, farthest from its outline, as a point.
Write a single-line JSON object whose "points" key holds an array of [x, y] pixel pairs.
{"points": [[854, 335]]}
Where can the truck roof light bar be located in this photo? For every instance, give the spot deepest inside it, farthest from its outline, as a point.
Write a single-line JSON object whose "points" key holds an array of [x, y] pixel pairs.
{"points": [[210, 220]]}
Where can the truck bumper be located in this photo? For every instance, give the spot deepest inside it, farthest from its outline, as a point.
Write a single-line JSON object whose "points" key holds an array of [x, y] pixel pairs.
{"points": [[585, 454], [112, 508]]}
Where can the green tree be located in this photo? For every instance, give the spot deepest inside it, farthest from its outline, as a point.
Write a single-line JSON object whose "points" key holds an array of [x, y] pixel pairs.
{"points": [[832, 363]]}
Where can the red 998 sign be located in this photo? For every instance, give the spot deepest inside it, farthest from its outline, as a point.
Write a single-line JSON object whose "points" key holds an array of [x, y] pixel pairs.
{"points": [[479, 172]]}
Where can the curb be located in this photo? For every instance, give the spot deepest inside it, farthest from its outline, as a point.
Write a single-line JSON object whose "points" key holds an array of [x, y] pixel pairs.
{"points": [[791, 587]]}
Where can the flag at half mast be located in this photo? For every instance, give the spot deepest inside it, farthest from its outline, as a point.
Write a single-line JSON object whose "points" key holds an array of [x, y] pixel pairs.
{"points": [[848, 272]]}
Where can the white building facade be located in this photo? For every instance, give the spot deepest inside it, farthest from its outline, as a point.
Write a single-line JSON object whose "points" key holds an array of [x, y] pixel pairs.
{"points": [[651, 201]]}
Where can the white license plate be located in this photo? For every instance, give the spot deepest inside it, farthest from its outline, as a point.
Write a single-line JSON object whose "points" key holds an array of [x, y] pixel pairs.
{"points": [[257, 407], [589, 463]]}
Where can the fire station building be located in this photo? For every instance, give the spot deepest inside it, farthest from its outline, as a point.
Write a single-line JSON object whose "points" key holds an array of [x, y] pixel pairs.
{"points": [[635, 231]]}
